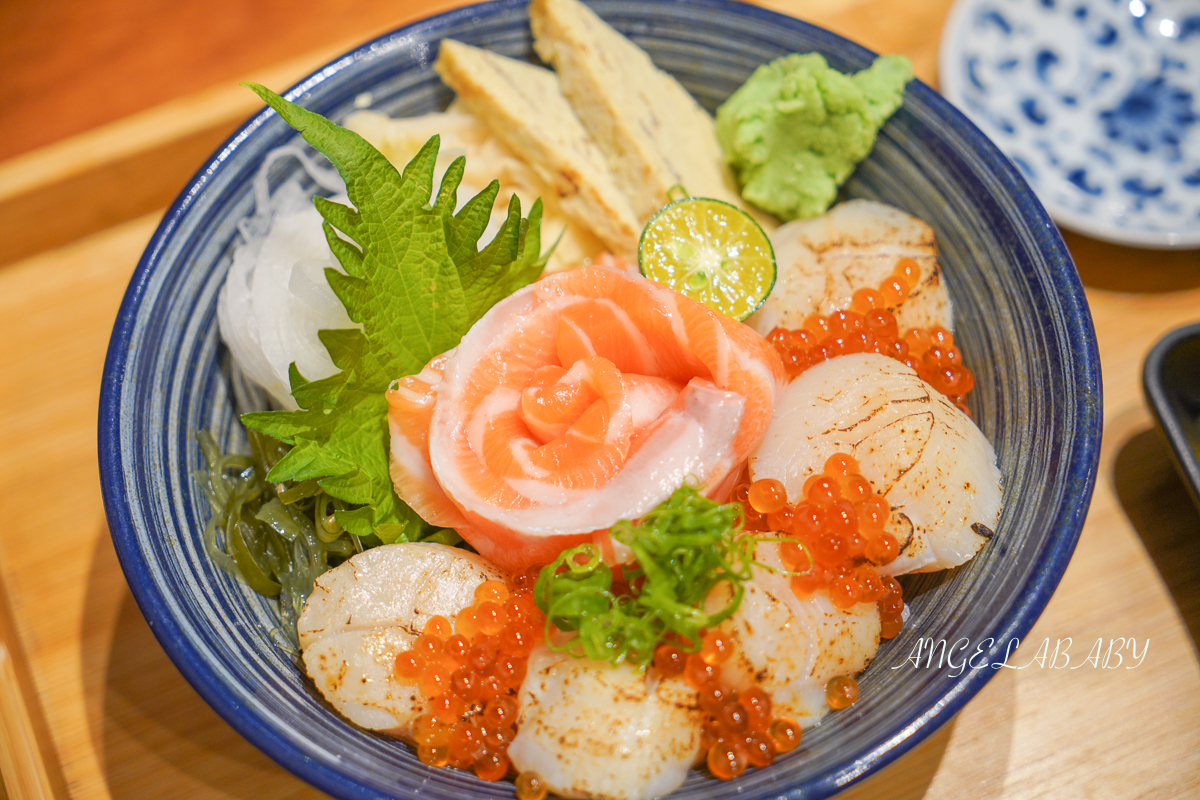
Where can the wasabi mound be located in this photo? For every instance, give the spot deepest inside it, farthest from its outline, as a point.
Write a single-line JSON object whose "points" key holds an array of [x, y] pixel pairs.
{"points": [[797, 128]]}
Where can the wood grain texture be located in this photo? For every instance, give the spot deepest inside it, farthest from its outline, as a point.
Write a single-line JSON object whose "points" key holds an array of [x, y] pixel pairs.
{"points": [[129, 167], [120, 722], [24, 737], [124, 722], [70, 66], [108, 144]]}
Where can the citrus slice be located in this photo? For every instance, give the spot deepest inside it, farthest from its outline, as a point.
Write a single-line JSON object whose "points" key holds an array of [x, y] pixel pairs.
{"points": [[710, 251]]}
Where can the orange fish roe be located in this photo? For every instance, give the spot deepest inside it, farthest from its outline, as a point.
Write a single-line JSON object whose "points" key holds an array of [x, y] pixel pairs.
{"points": [[785, 733], [470, 671], [738, 731], [841, 691], [834, 537], [529, 786], [869, 326]]}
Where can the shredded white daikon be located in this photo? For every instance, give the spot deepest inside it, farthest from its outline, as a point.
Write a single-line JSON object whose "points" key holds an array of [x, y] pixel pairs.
{"points": [[276, 298]]}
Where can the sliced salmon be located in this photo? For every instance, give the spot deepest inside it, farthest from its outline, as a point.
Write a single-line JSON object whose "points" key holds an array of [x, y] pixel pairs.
{"points": [[410, 412], [585, 398]]}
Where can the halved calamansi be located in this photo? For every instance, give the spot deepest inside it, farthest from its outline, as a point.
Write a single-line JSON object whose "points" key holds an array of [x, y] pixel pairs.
{"points": [[710, 251]]}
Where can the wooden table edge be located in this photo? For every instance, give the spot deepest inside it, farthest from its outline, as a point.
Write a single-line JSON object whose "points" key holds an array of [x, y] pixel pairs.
{"points": [[28, 759], [40, 190]]}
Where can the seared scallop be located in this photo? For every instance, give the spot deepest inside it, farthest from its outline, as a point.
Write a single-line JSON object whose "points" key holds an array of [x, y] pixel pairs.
{"points": [[927, 458], [590, 729], [790, 647], [823, 261], [366, 611]]}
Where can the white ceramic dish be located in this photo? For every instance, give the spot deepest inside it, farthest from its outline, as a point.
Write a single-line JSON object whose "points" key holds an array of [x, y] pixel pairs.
{"points": [[1096, 103]]}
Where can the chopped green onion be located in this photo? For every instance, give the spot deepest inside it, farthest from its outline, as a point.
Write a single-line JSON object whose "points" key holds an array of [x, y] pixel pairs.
{"points": [[683, 548]]}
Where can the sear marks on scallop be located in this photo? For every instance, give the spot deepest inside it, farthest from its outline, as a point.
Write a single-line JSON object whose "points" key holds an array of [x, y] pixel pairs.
{"points": [[933, 465], [822, 261], [790, 647], [590, 729], [366, 611]]}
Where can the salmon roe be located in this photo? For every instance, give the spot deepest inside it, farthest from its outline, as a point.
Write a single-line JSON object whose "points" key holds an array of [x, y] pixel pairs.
{"points": [[469, 671], [529, 786], [835, 539], [841, 692], [738, 730], [869, 326]]}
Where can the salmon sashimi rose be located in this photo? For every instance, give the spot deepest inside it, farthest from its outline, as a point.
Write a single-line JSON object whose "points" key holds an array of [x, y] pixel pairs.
{"points": [[585, 398]]}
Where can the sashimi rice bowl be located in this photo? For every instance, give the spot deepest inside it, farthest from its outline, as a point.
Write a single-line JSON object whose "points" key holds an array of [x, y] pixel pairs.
{"points": [[601, 401]]}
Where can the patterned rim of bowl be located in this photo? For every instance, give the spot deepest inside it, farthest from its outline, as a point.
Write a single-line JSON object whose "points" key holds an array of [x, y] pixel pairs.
{"points": [[1094, 110], [161, 381]]}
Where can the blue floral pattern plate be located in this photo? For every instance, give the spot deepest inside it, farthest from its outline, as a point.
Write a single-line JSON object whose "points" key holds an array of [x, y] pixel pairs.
{"points": [[1094, 101]]}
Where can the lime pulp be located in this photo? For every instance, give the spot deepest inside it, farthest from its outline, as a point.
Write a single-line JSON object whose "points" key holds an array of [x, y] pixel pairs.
{"points": [[710, 251]]}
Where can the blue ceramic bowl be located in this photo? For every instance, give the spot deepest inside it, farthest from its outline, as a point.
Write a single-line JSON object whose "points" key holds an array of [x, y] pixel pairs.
{"points": [[1023, 323]]}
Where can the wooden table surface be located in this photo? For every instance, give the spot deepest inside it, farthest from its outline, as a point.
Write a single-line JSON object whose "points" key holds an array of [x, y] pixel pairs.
{"points": [[108, 106]]}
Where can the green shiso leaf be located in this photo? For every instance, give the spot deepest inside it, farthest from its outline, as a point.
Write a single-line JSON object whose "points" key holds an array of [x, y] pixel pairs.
{"points": [[415, 279]]}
